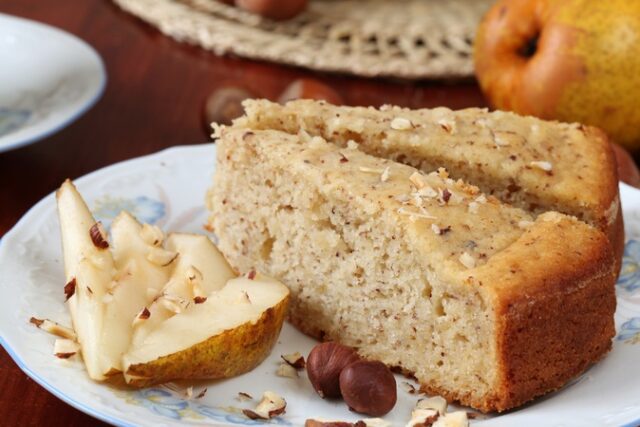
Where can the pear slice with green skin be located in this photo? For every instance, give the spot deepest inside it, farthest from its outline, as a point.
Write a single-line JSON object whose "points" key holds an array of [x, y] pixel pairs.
{"points": [[229, 334], [198, 257], [91, 268], [130, 293]]}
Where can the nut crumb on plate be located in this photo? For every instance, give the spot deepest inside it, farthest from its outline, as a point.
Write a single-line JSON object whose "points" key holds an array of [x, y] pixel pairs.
{"points": [[294, 359], [437, 403], [286, 370], [242, 396], [64, 348], [271, 405], [54, 328]]}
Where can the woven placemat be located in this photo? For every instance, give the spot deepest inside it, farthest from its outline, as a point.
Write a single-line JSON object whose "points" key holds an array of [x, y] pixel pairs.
{"points": [[410, 39]]}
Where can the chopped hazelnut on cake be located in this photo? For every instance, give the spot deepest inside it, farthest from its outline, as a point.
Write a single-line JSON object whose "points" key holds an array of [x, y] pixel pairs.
{"points": [[524, 161]]}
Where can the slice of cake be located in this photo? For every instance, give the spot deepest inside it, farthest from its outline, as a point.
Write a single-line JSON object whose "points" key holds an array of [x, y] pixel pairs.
{"points": [[482, 302], [530, 163]]}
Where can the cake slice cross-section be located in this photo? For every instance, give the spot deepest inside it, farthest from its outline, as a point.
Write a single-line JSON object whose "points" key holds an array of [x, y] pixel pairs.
{"points": [[482, 302]]}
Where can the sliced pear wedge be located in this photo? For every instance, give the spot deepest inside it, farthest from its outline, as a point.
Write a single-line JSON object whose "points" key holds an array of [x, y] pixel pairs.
{"points": [[89, 271], [199, 270], [136, 276], [228, 334]]}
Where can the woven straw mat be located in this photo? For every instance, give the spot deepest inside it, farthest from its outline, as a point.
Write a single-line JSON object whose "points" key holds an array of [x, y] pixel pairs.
{"points": [[409, 39]]}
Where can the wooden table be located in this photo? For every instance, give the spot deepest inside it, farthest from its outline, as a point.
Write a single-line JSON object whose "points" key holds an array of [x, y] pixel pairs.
{"points": [[154, 97]]}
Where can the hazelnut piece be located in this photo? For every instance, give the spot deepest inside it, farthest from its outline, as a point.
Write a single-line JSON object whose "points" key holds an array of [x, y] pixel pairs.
{"points": [[324, 364], [270, 406], [97, 234], [368, 387]]}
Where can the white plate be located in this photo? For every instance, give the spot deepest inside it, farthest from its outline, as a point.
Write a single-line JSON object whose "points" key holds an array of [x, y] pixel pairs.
{"points": [[168, 189], [48, 78]]}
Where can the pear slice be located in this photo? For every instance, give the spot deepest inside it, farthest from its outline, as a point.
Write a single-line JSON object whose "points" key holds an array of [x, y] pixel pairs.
{"points": [[199, 251], [228, 334], [161, 313], [136, 276], [199, 270], [89, 270]]}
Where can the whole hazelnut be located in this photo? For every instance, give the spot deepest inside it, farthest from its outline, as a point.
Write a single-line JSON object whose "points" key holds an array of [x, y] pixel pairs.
{"points": [[273, 9], [224, 105], [627, 168], [368, 387], [324, 364], [310, 89]]}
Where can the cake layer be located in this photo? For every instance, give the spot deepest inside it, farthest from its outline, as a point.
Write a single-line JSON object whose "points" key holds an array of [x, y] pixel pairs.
{"points": [[530, 163], [480, 301]]}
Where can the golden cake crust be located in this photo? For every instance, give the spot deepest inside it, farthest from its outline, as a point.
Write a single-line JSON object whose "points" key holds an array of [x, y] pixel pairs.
{"points": [[553, 297], [607, 200]]}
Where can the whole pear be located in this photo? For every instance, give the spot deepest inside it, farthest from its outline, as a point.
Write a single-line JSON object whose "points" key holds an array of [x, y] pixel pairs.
{"points": [[570, 60]]}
